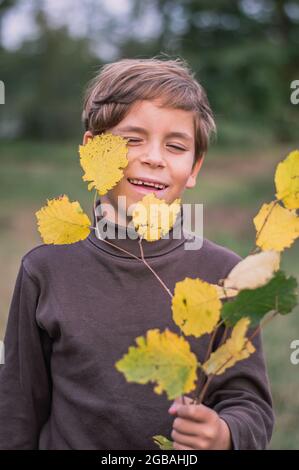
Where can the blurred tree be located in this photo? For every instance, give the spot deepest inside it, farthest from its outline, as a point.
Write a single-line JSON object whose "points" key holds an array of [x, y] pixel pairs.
{"points": [[246, 53], [5, 5], [44, 81]]}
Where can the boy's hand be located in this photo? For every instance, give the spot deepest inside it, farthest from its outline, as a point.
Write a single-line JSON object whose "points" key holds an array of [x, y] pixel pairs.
{"points": [[198, 427]]}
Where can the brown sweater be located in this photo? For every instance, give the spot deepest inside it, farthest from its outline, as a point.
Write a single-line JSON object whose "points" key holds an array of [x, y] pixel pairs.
{"points": [[75, 311]]}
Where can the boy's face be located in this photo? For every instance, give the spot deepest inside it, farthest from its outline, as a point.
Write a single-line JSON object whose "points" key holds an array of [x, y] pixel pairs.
{"points": [[153, 156]]}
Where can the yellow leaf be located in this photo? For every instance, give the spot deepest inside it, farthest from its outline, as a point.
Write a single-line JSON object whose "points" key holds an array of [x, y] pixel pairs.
{"points": [[153, 218], [279, 230], [253, 271], [103, 159], [195, 306], [62, 221], [164, 358], [287, 180], [235, 349]]}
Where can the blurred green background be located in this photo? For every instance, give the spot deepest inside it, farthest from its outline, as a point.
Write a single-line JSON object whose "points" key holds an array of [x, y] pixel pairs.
{"points": [[245, 53]]}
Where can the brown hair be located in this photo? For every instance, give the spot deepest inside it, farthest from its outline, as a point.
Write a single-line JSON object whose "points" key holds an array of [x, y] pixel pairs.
{"points": [[118, 85]]}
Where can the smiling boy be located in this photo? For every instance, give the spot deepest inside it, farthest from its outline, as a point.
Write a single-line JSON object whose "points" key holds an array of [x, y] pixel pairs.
{"points": [[77, 308], [161, 150]]}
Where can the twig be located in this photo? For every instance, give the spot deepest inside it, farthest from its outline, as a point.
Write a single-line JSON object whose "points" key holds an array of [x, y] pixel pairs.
{"points": [[224, 336], [200, 399], [152, 270], [210, 346]]}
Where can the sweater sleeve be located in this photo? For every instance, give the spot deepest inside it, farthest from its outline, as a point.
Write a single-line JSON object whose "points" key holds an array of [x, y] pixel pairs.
{"points": [[242, 398], [25, 384]]}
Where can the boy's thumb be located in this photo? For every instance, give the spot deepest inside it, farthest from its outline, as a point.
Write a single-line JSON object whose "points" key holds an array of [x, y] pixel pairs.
{"points": [[179, 401]]}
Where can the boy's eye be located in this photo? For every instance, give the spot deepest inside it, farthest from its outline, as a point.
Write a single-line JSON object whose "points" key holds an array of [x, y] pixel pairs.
{"points": [[138, 140], [132, 140], [177, 148]]}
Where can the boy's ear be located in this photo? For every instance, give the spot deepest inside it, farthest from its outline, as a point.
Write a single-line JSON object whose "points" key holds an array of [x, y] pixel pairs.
{"points": [[87, 135], [195, 170]]}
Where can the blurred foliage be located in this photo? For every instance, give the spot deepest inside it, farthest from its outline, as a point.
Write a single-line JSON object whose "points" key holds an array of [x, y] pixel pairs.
{"points": [[244, 52], [44, 82]]}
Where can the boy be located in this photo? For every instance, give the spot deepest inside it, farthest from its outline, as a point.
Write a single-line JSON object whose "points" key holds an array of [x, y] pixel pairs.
{"points": [[77, 308]]}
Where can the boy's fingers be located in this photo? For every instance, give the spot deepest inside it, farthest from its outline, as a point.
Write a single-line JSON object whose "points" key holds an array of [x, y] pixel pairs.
{"points": [[194, 412], [181, 401], [183, 426], [178, 446], [184, 440], [186, 400]]}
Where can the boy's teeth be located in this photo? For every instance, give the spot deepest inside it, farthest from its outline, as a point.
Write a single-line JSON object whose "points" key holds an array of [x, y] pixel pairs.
{"points": [[146, 183]]}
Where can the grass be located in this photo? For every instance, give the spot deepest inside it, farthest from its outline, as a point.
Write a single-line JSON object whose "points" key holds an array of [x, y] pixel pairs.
{"points": [[232, 185]]}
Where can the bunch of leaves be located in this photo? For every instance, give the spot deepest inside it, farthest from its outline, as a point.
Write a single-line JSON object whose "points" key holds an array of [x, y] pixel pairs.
{"points": [[254, 292], [103, 159]]}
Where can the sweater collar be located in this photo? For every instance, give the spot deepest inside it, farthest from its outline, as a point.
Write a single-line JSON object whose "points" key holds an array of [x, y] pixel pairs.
{"points": [[127, 239]]}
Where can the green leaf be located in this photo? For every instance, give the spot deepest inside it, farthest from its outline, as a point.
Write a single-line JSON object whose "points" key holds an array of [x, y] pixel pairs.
{"points": [[163, 442], [163, 358], [278, 294]]}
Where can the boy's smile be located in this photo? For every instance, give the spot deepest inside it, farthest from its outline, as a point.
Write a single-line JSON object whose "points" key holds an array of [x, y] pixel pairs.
{"points": [[147, 185], [161, 148]]}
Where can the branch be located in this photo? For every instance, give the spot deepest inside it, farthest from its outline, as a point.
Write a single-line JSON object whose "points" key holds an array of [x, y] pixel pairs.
{"points": [[152, 270]]}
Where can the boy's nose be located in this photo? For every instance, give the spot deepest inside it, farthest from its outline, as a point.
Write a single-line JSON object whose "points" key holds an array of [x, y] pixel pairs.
{"points": [[154, 159]]}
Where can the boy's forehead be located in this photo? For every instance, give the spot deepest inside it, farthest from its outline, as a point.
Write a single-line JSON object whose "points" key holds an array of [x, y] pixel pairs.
{"points": [[156, 106]]}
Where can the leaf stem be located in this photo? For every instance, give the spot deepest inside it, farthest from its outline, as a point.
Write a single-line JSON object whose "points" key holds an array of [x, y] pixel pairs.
{"points": [[152, 270], [210, 346], [159, 279], [204, 390]]}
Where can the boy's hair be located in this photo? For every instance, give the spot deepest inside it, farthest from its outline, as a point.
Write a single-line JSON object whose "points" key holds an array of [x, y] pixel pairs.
{"points": [[115, 88]]}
